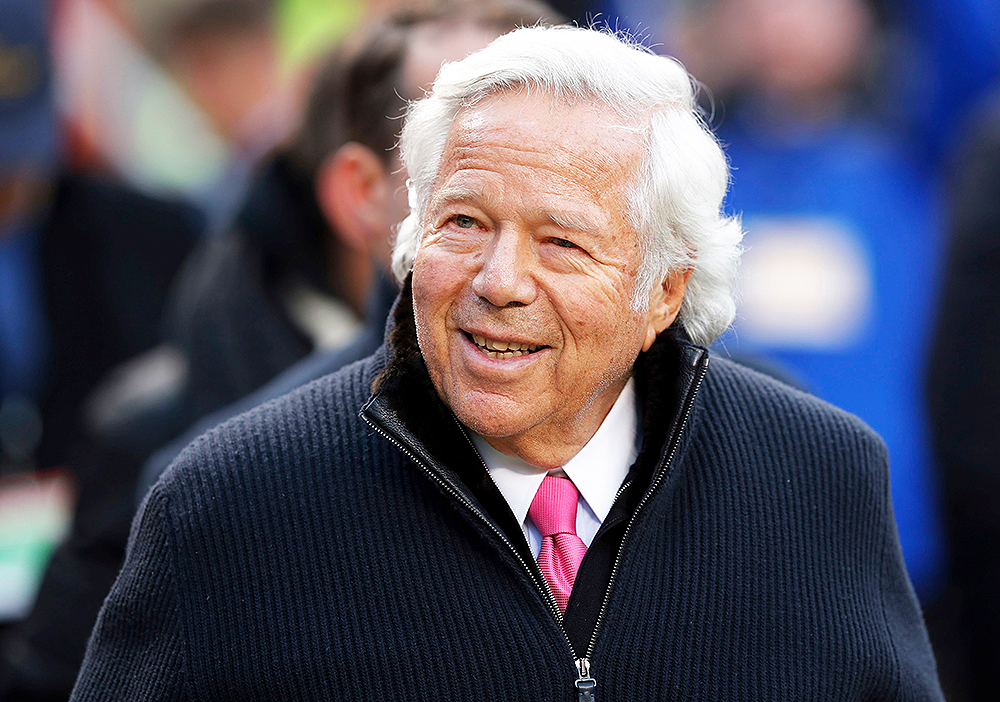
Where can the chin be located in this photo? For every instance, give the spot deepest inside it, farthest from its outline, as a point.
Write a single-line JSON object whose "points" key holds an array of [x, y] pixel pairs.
{"points": [[491, 419]]}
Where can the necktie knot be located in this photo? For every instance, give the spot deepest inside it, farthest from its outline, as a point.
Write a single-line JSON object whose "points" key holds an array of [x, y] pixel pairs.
{"points": [[553, 510]]}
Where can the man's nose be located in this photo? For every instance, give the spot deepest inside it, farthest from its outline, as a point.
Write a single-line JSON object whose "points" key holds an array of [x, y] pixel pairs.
{"points": [[505, 278]]}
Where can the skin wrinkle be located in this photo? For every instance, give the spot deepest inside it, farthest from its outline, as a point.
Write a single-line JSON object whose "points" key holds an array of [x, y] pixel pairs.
{"points": [[523, 168]]}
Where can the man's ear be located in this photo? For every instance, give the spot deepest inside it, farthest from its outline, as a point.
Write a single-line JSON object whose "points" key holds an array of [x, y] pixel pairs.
{"points": [[352, 190], [664, 304]]}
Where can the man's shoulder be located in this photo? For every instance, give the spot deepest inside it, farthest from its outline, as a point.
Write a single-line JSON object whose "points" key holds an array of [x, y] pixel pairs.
{"points": [[312, 426], [748, 401], [783, 450]]}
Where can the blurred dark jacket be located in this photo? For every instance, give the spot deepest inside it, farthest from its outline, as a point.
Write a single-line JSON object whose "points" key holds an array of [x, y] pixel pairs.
{"points": [[316, 365], [108, 257], [226, 321], [964, 393], [228, 317]]}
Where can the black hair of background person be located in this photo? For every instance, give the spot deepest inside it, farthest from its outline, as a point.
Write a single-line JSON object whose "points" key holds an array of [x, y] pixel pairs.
{"points": [[963, 396]]}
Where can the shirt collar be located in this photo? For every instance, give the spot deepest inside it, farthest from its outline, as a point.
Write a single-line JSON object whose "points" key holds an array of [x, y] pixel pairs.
{"points": [[597, 470]]}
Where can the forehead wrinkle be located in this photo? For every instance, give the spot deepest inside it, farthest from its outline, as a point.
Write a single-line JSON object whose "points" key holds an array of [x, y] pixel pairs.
{"points": [[568, 218], [574, 170], [465, 184], [476, 128], [621, 131]]}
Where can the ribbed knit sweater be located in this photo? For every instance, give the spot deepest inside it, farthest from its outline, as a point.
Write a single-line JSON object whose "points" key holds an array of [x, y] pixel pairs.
{"points": [[312, 550]]}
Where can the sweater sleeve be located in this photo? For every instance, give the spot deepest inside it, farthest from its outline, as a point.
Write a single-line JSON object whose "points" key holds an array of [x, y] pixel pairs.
{"points": [[916, 672], [137, 649]]}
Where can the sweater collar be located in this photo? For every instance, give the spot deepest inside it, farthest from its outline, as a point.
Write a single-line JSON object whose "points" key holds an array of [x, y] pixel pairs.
{"points": [[597, 471], [406, 404]]}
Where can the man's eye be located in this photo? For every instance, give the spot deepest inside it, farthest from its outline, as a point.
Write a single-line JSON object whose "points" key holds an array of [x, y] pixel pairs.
{"points": [[564, 243], [464, 221]]}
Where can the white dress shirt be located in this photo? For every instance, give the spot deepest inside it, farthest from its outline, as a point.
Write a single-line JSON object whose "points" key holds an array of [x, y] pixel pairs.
{"points": [[598, 470]]}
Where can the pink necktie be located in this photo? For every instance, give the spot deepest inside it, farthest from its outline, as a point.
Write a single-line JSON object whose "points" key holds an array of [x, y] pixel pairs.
{"points": [[554, 513]]}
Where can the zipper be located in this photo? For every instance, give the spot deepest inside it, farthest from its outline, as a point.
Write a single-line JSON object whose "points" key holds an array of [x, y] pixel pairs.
{"points": [[658, 478], [540, 585], [585, 683], [536, 573]]}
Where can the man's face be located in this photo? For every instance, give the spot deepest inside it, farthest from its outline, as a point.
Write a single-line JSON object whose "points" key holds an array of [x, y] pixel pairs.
{"points": [[523, 282]]}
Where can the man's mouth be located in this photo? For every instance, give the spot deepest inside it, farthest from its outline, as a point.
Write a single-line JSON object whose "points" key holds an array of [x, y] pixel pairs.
{"points": [[503, 349]]}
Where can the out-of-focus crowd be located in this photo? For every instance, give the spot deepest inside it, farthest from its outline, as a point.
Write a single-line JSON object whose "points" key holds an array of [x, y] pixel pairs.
{"points": [[197, 200]]}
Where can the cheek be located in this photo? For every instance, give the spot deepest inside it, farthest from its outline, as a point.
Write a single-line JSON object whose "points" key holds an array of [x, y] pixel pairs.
{"points": [[434, 276], [603, 325], [450, 258], [599, 307], [618, 330], [438, 278]]}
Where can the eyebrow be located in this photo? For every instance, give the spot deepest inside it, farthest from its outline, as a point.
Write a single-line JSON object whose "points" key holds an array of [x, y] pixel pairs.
{"points": [[451, 195], [570, 221]]}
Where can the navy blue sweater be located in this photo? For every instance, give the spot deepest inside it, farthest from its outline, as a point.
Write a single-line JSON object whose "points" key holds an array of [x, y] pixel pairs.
{"points": [[312, 550]]}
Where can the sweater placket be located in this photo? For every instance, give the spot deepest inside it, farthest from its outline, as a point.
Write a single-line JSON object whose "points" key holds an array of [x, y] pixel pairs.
{"points": [[388, 425]]}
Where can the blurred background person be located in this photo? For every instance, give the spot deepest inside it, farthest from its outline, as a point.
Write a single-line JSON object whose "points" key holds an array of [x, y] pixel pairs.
{"points": [[226, 55], [964, 392], [842, 217], [85, 265], [86, 261], [934, 59], [185, 96], [294, 273]]}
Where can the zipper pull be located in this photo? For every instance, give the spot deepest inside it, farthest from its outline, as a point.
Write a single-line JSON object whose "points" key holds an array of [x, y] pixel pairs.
{"points": [[585, 685]]}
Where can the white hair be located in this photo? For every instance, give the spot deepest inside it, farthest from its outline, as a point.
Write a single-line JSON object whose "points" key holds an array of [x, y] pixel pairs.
{"points": [[676, 200]]}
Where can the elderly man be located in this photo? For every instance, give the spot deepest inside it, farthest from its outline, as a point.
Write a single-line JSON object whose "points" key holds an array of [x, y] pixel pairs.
{"points": [[539, 488]]}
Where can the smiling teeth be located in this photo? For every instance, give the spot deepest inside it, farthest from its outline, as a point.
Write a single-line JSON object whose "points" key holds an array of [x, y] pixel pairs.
{"points": [[503, 349]]}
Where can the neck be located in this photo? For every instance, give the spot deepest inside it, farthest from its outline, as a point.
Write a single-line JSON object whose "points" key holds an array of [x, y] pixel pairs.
{"points": [[549, 447]]}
